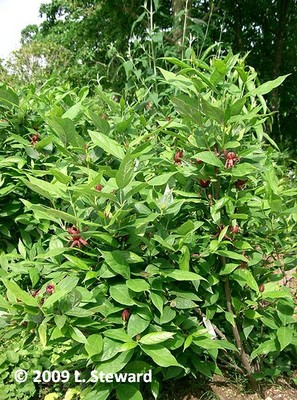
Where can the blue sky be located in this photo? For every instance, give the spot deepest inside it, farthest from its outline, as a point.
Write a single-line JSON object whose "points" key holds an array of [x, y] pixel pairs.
{"points": [[14, 16]]}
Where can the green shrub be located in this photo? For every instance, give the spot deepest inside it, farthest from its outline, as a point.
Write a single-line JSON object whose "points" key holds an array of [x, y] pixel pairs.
{"points": [[135, 240]]}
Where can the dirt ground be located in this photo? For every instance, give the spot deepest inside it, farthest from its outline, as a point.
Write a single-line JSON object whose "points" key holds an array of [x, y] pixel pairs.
{"points": [[221, 389]]}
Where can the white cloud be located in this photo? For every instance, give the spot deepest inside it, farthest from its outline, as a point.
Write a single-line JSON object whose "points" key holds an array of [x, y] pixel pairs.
{"points": [[15, 15]]}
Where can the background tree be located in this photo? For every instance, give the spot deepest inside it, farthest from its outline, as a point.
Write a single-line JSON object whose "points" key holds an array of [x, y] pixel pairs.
{"points": [[97, 37]]}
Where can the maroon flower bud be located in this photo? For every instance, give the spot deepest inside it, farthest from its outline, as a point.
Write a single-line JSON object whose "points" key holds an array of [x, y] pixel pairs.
{"points": [[240, 183], [125, 314], [98, 187], [198, 161], [234, 229], [262, 287], [35, 293], [50, 288], [178, 157], [204, 183], [24, 323]]}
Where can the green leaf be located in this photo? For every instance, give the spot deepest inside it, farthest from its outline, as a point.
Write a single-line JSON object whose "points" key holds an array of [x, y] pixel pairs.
{"points": [[161, 179], [136, 325], [156, 337], [121, 295], [94, 344], [128, 392], [187, 107], [209, 157], [109, 145], [212, 112], [8, 97], [184, 260], [60, 320], [185, 228], [117, 262], [73, 111], [158, 301], [125, 172], [65, 129], [42, 331], [244, 275], [267, 86], [228, 268], [284, 336], [19, 293], [182, 275], [161, 356], [77, 335], [232, 255], [64, 287], [138, 285]]}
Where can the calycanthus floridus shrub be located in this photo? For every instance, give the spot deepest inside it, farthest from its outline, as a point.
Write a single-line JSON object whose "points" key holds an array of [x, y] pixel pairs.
{"points": [[134, 242]]}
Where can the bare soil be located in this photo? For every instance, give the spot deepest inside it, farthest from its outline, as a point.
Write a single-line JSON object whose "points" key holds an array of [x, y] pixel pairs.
{"points": [[221, 388]]}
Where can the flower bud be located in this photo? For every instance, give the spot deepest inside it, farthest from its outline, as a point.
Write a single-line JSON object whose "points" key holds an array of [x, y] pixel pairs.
{"points": [[125, 314], [50, 288]]}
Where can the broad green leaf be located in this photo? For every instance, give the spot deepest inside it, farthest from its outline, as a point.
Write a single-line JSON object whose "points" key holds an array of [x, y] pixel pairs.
{"points": [[267, 86], [117, 262], [212, 112], [117, 334], [128, 392], [64, 287], [184, 260], [73, 111], [158, 301], [136, 325], [284, 336], [161, 356], [109, 145], [244, 275], [185, 228], [77, 262], [8, 97], [228, 268], [138, 285], [156, 337], [125, 172], [19, 293], [232, 255], [209, 157], [94, 344], [161, 179], [182, 275], [42, 331], [77, 335], [121, 295], [187, 107]]}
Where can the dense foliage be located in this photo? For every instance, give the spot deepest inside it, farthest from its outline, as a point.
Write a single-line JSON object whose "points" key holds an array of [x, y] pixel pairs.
{"points": [[138, 236], [87, 41]]}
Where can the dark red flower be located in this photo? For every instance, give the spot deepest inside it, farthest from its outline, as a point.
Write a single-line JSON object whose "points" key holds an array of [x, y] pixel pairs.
{"points": [[76, 240], [35, 138], [99, 187], [204, 183], [50, 288], [125, 314], [231, 159], [240, 183], [178, 157], [198, 161], [234, 229]]}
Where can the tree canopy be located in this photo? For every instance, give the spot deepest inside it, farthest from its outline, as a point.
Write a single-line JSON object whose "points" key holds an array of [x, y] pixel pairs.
{"points": [[94, 38]]}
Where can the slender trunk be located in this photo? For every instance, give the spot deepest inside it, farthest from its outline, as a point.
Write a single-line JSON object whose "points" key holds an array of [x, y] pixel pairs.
{"points": [[179, 21]]}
